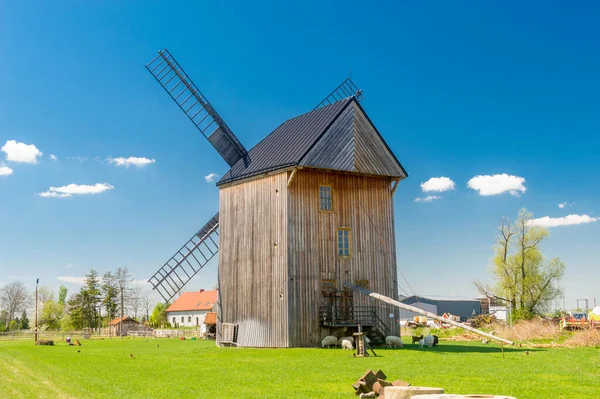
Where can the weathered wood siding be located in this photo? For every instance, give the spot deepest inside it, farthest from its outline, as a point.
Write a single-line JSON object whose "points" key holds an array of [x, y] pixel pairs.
{"points": [[353, 144], [361, 203], [253, 260]]}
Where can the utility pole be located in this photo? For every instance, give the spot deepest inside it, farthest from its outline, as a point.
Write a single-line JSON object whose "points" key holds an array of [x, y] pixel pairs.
{"points": [[37, 281]]}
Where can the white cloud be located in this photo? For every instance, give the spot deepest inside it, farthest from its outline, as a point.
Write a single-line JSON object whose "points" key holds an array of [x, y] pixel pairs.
{"points": [[127, 162], [53, 157], [438, 184], [497, 184], [568, 220], [69, 265], [140, 282], [21, 152], [72, 279], [565, 204], [5, 171], [211, 177], [76, 189], [78, 159], [429, 198]]}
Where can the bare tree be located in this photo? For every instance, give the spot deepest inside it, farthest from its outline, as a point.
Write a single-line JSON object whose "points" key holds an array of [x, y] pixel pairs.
{"points": [[45, 294], [15, 298], [123, 280], [135, 300], [147, 305]]}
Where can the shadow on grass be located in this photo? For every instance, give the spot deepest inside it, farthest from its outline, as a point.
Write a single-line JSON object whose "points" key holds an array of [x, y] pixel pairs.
{"points": [[441, 348]]}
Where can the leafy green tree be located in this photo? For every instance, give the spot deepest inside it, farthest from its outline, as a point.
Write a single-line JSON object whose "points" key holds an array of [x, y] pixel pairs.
{"points": [[62, 295], [109, 294], [83, 305], [523, 277], [51, 314], [66, 324], [24, 321], [13, 326], [91, 297], [3, 317], [159, 315]]}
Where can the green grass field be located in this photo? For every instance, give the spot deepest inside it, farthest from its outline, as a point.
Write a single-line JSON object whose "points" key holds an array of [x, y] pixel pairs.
{"points": [[198, 369]]}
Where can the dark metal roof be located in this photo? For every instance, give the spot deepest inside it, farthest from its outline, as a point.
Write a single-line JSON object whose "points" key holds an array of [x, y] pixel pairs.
{"points": [[339, 136], [288, 144]]}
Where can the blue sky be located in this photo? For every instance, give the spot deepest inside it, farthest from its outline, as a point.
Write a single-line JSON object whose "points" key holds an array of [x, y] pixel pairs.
{"points": [[457, 89]]}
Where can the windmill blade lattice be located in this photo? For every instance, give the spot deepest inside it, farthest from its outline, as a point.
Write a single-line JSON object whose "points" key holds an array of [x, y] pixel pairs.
{"points": [[346, 89], [188, 261], [194, 104]]}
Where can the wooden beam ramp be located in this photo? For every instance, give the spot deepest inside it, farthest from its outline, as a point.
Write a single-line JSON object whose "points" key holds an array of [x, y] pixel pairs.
{"points": [[414, 309]]}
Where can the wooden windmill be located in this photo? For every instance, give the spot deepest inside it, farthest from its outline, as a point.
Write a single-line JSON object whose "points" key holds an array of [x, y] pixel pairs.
{"points": [[307, 210]]}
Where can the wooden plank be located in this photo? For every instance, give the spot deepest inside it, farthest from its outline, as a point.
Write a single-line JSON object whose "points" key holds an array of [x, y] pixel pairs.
{"points": [[426, 313]]}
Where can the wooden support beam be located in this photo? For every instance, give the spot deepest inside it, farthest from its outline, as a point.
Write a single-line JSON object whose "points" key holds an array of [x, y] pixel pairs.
{"points": [[395, 186], [401, 305], [291, 177]]}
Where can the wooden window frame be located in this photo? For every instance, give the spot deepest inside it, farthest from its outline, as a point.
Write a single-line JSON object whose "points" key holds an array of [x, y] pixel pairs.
{"points": [[330, 198], [337, 241]]}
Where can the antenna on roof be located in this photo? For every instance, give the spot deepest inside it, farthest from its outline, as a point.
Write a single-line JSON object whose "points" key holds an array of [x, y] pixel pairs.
{"points": [[346, 89]]}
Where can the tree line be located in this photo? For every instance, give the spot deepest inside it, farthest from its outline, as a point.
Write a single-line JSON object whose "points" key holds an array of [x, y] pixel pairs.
{"points": [[99, 300]]}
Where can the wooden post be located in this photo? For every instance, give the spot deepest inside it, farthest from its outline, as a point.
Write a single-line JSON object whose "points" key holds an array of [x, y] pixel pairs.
{"points": [[291, 177], [36, 310], [414, 309], [395, 186]]}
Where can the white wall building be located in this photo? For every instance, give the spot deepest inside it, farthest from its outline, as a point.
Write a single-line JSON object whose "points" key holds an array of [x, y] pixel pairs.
{"points": [[190, 309]]}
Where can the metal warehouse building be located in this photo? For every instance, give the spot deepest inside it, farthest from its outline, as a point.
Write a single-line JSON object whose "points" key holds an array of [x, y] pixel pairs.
{"points": [[457, 306]]}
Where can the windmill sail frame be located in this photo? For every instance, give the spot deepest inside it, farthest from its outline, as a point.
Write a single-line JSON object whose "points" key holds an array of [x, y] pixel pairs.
{"points": [[180, 87], [346, 89], [188, 261]]}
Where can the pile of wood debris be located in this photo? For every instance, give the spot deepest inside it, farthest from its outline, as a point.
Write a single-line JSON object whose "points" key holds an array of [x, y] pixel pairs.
{"points": [[372, 384]]}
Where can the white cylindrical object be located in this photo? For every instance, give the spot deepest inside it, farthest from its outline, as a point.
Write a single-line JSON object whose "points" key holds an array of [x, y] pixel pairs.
{"points": [[409, 392]]}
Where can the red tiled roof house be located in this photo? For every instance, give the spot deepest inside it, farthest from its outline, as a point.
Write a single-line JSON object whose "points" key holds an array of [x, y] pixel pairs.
{"points": [[190, 309]]}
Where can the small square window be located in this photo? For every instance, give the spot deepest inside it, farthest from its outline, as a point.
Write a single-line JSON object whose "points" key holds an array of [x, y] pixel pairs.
{"points": [[325, 200], [343, 241], [182, 319], [173, 320], [189, 319]]}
